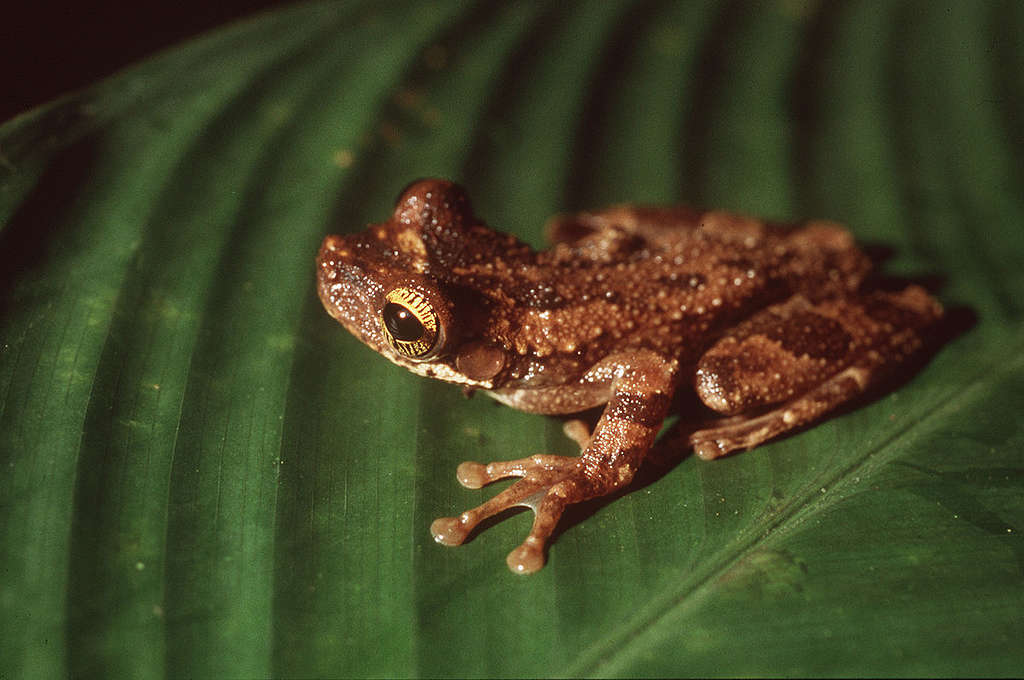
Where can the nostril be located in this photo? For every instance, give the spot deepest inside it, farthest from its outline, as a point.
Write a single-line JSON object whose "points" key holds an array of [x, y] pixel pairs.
{"points": [[333, 243]]}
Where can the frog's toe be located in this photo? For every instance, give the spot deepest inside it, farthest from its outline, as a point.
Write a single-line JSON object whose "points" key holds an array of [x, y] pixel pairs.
{"points": [[709, 449], [578, 431], [450, 531], [548, 506], [472, 475], [541, 468], [454, 530], [527, 558]]}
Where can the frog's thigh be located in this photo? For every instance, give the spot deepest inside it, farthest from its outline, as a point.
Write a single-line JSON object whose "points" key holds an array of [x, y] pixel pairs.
{"points": [[740, 433], [776, 354], [787, 349], [811, 357]]}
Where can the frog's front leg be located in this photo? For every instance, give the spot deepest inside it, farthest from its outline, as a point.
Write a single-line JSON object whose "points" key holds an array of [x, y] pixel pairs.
{"points": [[803, 360], [641, 385]]}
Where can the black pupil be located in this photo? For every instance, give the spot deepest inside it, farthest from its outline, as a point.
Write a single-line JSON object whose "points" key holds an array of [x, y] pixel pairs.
{"points": [[401, 323]]}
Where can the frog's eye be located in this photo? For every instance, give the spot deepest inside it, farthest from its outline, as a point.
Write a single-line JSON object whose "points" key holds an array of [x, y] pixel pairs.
{"points": [[410, 324]]}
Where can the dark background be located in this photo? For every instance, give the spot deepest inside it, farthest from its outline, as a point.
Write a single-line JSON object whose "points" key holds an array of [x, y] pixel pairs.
{"points": [[50, 48]]}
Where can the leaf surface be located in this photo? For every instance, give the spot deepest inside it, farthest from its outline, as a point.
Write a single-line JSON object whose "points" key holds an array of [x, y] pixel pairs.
{"points": [[206, 476]]}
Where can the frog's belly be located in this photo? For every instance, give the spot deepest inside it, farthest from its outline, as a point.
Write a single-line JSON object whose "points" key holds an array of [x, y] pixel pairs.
{"points": [[556, 399]]}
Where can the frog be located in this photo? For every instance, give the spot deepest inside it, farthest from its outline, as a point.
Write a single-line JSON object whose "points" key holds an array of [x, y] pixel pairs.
{"points": [[770, 324]]}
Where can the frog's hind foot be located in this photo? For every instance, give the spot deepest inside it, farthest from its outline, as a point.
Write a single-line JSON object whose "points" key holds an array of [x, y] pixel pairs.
{"points": [[740, 433], [548, 483]]}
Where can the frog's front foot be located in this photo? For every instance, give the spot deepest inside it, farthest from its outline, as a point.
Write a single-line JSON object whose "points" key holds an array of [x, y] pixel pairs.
{"points": [[548, 484]]}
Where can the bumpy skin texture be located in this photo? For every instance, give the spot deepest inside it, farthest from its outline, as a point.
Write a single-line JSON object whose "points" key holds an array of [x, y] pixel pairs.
{"points": [[628, 304]]}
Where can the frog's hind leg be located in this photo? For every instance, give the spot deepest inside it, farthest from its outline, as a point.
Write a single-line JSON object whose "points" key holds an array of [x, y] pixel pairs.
{"points": [[807, 358], [739, 433]]}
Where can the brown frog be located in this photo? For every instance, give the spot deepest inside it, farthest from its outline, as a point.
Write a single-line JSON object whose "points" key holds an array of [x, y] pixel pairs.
{"points": [[765, 321]]}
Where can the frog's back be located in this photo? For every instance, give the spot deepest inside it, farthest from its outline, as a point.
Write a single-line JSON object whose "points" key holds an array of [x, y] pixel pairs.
{"points": [[817, 258], [664, 279]]}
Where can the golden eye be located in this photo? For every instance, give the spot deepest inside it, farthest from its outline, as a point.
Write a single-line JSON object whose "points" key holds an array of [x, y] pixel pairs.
{"points": [[410, 324]]}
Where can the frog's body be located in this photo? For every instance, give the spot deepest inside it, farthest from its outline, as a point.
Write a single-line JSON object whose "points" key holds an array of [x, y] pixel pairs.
{"points": [[627, 305]]}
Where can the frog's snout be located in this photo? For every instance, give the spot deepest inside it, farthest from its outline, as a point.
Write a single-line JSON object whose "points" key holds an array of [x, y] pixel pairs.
{"points": [[333, 243]]}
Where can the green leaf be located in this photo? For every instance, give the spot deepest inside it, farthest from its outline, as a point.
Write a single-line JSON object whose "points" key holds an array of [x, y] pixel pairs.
{"points": [[205, 476]]}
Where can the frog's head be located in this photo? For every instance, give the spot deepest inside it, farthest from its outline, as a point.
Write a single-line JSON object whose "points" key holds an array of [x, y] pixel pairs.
{"points": [[397, 285]]}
